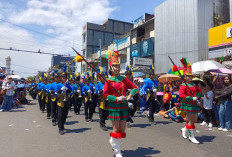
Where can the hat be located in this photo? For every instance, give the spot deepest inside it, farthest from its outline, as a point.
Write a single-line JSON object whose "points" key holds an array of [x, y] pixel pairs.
{"points": [[187, 66], [112, 57], [64, 74]]}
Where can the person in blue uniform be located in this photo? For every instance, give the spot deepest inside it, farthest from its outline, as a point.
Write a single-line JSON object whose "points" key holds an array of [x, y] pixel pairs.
{"points": [[42, 89], [62, 102], [39, 93], [151, 87], [103, 114], [77, 90], [55, 86], [87, 92]]}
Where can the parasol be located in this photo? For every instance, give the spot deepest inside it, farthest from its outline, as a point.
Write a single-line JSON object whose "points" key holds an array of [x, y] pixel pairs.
{"points": [[205, 66], [168, 78]]}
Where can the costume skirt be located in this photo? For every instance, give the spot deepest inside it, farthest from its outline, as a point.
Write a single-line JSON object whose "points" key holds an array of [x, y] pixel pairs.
{"points": [[189, 108], [117, 112]]}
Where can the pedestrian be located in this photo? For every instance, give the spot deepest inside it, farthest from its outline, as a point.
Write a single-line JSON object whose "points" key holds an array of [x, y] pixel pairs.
{"points": [[117, 106], [9, 87], [208, 106], [177, 115], [225, 111], [188, 95]]}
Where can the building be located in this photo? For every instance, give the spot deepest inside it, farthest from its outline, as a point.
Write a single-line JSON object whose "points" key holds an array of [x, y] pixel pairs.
{"points": [[142, 42], [95, 35], [181, 30], [64, 60]]}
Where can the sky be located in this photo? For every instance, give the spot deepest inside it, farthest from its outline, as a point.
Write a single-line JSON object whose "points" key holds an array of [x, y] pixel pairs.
{"points": [[53, 26]]}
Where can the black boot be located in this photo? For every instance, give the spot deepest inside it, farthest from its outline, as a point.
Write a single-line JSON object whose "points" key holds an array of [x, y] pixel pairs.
{"points": [[61, 132]]}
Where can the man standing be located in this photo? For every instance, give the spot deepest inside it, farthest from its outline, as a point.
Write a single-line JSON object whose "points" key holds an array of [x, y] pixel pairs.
{"points": [[9, 86]]}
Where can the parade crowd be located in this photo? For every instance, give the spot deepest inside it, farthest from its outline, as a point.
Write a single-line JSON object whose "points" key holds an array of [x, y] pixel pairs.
{"points": [[192, 100]]}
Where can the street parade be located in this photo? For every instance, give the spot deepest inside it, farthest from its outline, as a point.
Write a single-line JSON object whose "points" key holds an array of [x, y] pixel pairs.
{"points": [[159, 85]]}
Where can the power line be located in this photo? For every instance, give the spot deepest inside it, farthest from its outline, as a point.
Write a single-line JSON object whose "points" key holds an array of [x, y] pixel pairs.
{"points": [[50, 36], [29, 51]]}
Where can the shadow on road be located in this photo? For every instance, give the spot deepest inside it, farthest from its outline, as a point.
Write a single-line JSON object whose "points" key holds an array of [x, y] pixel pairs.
{"points": [[140, 152], [18, 110], [140, 125], [163, 122], [71, 123], [203, 139], [77, 130]]}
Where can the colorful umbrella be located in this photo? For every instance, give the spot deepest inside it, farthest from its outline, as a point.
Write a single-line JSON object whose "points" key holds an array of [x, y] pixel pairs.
{"points": [[168, 78]]}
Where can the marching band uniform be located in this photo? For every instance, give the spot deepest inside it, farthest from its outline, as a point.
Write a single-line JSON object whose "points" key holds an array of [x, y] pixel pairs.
{"points": [[87, 91], [151, 87], [102, 106], [62, 105], [118, 110], [48, 100], [42, 89], [55, 86], [77, 90], [39, 94]]}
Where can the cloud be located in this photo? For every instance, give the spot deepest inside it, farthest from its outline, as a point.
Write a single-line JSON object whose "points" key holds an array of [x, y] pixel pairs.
{"points": [[61, 19]]}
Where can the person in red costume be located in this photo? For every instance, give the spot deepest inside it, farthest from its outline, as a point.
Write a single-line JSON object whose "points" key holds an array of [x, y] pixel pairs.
{"points": [[117, 106], [189, 105]]}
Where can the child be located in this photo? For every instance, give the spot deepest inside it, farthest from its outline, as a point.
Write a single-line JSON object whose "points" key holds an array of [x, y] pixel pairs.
{"points": [[177, 115], [208, 106], [166, 98], [175, 96]]}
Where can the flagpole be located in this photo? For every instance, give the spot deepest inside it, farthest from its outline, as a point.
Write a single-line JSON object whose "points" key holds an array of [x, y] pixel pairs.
{"points": [[97, 72]]}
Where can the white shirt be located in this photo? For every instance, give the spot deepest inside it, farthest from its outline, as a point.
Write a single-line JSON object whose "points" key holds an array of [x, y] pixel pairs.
{"points": [[208, 103], [6, 86]]}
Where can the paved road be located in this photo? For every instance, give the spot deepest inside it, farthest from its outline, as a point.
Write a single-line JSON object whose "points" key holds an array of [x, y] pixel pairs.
{"points": [[25, 132]]}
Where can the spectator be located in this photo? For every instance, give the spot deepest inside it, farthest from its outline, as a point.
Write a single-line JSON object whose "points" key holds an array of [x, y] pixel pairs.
{"points": [[225, 111], [175, 96], [167, 98], [208, 106], [9, 86], [176, 114]]}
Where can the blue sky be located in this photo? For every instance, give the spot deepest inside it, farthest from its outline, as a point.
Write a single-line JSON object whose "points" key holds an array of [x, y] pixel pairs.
{"points": [[62, 20], [129, 10]]}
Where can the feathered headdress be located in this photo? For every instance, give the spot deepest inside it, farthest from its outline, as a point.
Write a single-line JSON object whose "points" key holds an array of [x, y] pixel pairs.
{"points": [[187, 65], [112, 57]]}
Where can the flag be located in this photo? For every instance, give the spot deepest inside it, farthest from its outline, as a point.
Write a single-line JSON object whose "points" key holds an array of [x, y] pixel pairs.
{"points": [[184, 62], [222, 59]]}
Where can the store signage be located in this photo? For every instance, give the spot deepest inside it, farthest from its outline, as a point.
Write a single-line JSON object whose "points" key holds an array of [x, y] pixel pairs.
{"points": [[229, 32], [142, 61]]}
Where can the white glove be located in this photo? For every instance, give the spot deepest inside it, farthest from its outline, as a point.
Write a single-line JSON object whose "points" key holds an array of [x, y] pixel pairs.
{"points": [[130, 105], [89, 91], [78, 91], [195, 98], [93, 87], [154, 90], [121, 98], [64, 88]]}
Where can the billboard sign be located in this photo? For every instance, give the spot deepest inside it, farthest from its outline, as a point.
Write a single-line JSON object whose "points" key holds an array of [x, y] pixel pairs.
{"points": [[142, 61]]}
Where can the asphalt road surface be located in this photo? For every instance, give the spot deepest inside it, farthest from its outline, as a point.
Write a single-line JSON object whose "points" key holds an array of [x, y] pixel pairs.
{"points": [[26, 132]]}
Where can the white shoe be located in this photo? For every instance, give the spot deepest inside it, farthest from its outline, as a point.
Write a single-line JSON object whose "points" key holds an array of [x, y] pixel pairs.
{"points": [[220, 129], [210, 125], [192, 138], [203, 123], [226, 130], [184, 132], [1, 110], [116, 146]]}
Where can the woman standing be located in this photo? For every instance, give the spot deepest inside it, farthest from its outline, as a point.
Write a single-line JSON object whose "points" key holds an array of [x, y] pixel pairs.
{"points": [[189, 106], [225, 111], [117, 106]]}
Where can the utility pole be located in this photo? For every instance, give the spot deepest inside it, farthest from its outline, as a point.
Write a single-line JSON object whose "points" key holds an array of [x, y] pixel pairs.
{"points": [[100, 52]]}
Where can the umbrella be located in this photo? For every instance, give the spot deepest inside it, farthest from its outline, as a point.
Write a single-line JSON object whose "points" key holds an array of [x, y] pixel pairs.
{"points": [[204, 66], [222, 70], [17, 77], [169, 77], [181, 70]]}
